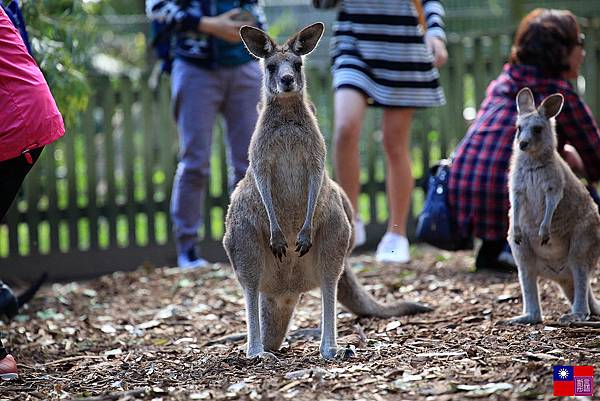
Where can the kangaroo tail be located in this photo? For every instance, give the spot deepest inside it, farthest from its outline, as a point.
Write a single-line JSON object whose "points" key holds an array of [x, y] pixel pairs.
{"points": [[356, 299], [30, 292]]}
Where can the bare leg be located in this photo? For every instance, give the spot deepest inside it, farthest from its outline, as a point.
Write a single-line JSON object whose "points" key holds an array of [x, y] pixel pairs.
{"points": [[567, 288], [399, 181], [247, 260], [350, 106], [255, 346], [580, 309], [328, 346], [594, 305], [329, 281], [275, 316], [528, 278]]}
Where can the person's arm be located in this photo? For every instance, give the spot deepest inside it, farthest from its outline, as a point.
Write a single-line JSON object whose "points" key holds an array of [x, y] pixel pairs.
{"points": [[168, 12], [576, 126], [257, 12], [222, 26], [435, 37]]}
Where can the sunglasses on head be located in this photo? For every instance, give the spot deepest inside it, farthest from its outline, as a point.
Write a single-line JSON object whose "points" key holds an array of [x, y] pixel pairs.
{"points": [[581, 40]]}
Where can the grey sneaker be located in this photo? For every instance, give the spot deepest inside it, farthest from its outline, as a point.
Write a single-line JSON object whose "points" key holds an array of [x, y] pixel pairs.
{"points": [[189, 259]]}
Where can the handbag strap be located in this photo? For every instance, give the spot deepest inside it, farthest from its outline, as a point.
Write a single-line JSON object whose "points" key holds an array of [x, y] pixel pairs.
{"points": [[420, 14]]}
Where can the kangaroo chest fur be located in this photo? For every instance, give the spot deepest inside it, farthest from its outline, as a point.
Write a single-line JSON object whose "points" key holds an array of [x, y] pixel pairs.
{"points": [[288, 148], [292, 147], [534, 183]]}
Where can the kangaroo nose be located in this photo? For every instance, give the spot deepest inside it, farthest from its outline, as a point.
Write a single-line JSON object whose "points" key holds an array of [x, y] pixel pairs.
{"points": [[523, 145], [287, 80]]}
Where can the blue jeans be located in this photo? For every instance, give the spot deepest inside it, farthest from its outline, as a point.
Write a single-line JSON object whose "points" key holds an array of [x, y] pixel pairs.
{"points": [[198, 95]]}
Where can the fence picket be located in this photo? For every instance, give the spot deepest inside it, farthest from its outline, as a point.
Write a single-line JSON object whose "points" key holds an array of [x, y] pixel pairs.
{"points": [[119, 160]]}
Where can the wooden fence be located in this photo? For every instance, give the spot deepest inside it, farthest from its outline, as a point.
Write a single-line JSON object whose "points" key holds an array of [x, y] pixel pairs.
{"points": [[98, 200]]}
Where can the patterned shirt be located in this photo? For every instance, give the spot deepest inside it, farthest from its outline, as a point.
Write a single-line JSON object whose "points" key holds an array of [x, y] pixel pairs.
{"points": [[478, 183], [199, 48]]}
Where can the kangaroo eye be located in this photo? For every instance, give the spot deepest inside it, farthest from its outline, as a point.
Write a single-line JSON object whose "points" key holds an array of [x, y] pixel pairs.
{"points": [[271, 68], [537, 129]]}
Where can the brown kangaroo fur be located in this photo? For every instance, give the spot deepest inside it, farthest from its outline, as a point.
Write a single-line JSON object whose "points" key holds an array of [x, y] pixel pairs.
{"points": [[286, 198], [554, 224]]}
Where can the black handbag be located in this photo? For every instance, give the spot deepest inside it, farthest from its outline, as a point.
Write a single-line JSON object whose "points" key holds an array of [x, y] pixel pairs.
{"points": [[435, 225], [325, 4]]}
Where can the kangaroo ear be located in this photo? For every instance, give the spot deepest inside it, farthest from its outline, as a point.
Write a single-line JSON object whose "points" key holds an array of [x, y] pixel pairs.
{"points": [[257, 42], [525, 102], [551, 105], [307, 39]]}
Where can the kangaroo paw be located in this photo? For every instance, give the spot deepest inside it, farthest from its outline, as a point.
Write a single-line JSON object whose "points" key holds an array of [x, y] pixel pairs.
{"points": [[517, 235], [264, 356], [525, 319], [544, 234], [303, 242], [278, 244], [573, 317]]}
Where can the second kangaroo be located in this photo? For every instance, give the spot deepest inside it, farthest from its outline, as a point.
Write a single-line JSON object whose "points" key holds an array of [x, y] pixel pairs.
{"points": [[287, 198], [554, 224]]}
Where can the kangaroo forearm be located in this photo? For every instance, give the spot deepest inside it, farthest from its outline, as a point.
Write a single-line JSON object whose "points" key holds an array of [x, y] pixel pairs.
{"points": [[552, 200], [314, 187], [263, 185], [516, 205]]}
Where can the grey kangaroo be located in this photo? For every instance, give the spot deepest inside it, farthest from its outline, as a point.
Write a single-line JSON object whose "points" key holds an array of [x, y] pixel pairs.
{"points": [[286, 198], [554, 224]]}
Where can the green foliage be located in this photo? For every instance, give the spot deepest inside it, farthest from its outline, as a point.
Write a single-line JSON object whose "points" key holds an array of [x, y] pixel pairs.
{"points": [[62, 35]]}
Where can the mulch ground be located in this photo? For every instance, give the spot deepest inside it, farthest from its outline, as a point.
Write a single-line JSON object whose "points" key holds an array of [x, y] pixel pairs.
{"points": [[150, 335]]}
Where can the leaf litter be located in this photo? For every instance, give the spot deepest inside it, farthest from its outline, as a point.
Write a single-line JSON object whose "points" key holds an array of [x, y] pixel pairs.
{"points": [[167, 334]]}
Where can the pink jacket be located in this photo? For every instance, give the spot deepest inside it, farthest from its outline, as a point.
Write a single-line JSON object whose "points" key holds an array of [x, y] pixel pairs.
{"points": [[29, 117]]}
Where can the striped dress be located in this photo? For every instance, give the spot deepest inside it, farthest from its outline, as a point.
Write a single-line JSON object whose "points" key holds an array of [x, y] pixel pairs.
{"points": [[378, 49]]}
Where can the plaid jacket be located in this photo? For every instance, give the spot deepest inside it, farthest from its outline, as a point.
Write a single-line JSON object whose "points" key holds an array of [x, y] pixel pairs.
{"points": [[478, 183]]}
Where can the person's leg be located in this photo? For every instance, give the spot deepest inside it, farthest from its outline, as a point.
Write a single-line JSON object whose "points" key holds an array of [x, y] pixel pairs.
{"points": [[488, 254], [12, 174], [239, 110], [197, 96], [399, 182], [349, 108]]}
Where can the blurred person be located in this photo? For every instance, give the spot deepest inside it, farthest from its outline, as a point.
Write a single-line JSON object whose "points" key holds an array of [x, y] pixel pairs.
{"points": [[382, 57], [212, 73], [547, 52], [29, 120]]}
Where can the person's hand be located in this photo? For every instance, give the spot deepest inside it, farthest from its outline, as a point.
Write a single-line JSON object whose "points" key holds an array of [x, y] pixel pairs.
{"points": [[438, 49], [223, 26], [573, 160]]}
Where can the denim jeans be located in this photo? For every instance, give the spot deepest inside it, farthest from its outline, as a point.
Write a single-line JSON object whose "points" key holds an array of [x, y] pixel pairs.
{"points": [[198, 96]]}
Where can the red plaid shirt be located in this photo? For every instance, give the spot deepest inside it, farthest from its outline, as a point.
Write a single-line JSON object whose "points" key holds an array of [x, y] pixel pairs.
{"points": [[478, 183]]}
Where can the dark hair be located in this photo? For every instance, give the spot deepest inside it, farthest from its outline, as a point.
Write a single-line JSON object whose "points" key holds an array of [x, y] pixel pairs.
{"points": [[545, 38]]}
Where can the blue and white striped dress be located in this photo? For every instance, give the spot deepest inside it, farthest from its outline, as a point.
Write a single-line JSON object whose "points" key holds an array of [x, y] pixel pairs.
{"points": [[378, 48]]}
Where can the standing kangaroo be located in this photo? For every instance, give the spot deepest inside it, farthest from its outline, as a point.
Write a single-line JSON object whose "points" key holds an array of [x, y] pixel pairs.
{"points": [[554, 224], [287, 197]]}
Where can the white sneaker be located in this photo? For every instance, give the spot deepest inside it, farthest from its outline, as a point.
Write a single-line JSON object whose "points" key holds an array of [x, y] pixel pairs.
{"points": [[190, 260], [360, 234], [393, 248]]}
